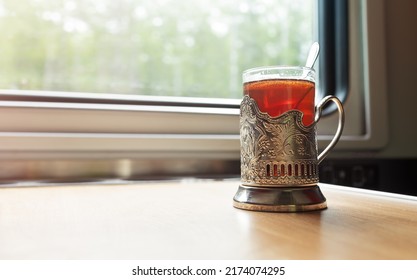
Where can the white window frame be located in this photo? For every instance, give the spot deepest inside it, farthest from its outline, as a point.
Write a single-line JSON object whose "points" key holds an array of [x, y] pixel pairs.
{"points": [[29, 127], [366, 126]]}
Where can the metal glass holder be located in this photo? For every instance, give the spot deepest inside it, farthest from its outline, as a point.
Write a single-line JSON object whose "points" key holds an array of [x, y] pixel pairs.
{"points": [[279, 161]]}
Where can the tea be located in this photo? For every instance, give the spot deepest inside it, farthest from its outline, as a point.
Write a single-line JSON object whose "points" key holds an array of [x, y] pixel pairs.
{"points": [[277, 96]]}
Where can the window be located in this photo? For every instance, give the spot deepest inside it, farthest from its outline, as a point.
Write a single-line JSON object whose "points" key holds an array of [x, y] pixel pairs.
{"points": [[189, 48], [83, 111]]}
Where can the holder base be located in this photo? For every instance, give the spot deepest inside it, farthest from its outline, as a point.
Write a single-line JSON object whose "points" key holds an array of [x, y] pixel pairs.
{"points": [[277, 199]]}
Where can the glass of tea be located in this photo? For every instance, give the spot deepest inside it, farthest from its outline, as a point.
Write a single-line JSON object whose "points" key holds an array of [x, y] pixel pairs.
{"points": [[279, 155], [277, 90]]}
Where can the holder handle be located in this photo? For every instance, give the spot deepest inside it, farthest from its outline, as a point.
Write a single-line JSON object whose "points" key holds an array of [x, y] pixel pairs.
{"points": [[341, 123]]}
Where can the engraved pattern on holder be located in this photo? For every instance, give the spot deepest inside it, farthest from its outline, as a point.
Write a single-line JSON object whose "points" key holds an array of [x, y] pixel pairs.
{"points": [[276, 152]]}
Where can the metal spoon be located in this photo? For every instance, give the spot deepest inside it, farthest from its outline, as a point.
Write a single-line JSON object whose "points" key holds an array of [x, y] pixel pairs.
{"points": [[312, 55]]}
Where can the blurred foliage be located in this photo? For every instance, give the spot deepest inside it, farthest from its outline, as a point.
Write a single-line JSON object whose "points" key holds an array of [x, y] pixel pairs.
{"points": [[149, 47]]}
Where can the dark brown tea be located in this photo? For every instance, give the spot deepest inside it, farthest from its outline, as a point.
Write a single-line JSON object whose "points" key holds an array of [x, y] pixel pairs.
{"points": [[277, 96]]}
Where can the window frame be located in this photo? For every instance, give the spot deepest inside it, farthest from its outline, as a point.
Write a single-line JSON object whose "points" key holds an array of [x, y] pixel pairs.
{"points": [[333, 37], [206, 130]]}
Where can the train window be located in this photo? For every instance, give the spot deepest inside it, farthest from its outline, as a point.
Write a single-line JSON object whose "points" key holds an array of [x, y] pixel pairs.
{"points": [[161, 79], [158, 48]]}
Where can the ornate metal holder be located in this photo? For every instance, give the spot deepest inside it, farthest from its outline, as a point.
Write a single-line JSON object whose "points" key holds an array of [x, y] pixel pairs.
{"points": [[279, 162]]}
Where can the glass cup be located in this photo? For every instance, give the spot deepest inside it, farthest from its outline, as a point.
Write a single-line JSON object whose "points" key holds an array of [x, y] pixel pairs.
{"points": [[279, 155]]}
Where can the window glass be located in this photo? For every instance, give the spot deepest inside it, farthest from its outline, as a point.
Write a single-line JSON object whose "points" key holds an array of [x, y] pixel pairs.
{"points": [[149, 47]]}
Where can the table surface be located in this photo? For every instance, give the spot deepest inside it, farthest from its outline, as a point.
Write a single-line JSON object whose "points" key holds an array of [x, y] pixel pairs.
{"points": [[193, 219]]}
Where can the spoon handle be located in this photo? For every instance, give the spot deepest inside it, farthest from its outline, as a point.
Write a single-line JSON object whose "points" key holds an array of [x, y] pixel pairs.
{"points": [[312, 55]]}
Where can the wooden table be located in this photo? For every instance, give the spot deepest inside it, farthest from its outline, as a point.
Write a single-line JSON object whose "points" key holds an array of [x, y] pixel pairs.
{"points": [[195, 220]]}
